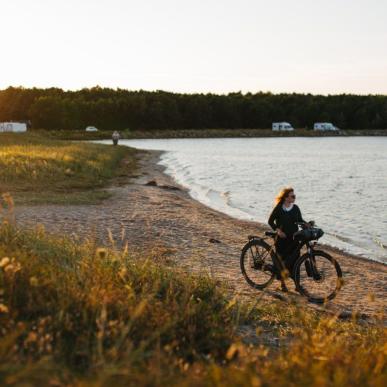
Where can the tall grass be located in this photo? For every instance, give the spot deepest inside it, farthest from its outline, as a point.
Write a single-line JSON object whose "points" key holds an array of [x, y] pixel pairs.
{"points": [[91, 308], [35, 166], [76, 314]]}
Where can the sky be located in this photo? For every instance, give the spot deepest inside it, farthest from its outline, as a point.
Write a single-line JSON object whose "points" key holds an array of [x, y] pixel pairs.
{"points": [[219, 46]]}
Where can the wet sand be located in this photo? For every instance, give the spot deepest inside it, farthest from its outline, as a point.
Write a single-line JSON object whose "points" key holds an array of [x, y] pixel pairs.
{"points": [[153, 212]]}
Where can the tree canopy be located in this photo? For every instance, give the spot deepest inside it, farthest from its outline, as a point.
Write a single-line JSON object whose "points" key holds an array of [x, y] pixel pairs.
{"points": [[109, 109]]}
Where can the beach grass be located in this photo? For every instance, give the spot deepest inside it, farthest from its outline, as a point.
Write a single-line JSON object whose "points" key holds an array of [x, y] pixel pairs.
{"points": [[37, 169], [80, 314]]}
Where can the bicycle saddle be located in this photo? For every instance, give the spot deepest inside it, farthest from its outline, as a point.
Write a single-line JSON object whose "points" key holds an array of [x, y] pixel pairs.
{"points": [[270, 233]]}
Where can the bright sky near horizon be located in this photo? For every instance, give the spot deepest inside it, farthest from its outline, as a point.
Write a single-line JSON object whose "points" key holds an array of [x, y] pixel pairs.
{"points": [[221, 46]]}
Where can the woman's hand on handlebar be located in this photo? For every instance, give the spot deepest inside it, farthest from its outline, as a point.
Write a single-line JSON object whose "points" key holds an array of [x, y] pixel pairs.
{"points": [[304, 225], [281, 234], [309, 224]]}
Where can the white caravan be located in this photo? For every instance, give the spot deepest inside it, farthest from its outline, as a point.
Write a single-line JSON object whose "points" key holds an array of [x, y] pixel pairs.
{"points": [[282, 126], [324, 126], [91, 129], [18, 127]]}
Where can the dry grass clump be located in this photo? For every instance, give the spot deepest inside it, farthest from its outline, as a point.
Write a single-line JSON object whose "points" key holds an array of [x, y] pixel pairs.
{"points": [[326, 352], [92, 309], [35, 168], [75, 314]]}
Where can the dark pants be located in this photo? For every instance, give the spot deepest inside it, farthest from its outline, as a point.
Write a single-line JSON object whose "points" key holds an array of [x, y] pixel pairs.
{"points": [[115, 141], [286, 248]]}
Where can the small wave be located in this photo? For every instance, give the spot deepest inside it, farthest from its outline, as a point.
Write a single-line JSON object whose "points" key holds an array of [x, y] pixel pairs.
{"points": [[340, 237], [217, 200], [379, 243], [354, 247], [227, 197], [221, 201]]}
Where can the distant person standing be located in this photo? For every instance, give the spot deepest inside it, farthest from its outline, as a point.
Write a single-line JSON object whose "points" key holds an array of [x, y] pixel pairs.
{"points": [[115, 137]]}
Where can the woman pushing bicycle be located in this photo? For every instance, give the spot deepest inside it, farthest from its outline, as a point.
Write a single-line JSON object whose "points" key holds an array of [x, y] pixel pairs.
{"points": [[316, 274], [283, 219]]}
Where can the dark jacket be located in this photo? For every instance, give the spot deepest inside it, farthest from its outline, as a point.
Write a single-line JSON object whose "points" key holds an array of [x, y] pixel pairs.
{"points": [[285, 220]]}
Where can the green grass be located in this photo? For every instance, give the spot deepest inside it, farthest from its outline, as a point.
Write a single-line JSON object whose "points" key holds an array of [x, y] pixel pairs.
{"points": [[83, 315], [37, 169]]}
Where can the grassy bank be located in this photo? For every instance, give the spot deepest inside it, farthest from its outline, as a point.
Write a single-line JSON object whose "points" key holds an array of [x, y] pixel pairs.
{"points": [[83, 315], [38, 169], [204, 133]]}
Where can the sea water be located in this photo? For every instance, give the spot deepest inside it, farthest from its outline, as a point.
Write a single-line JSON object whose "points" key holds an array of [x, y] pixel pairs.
{"points": [[340, 182]]}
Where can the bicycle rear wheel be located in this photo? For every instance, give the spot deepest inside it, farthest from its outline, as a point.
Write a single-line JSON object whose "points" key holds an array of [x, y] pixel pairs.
{"points": [[257, 264], [318, 276]]}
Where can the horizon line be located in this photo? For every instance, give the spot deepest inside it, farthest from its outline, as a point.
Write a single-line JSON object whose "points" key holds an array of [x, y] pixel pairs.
{"points": [[193, 92]]}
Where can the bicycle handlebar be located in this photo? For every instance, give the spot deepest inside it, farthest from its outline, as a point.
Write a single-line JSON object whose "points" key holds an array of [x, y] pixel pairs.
{"points": [[310, 223]]}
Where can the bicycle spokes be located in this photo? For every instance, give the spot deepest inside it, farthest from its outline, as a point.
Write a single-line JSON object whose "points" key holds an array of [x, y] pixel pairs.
{"points": [[257, 265], [319, 277]]}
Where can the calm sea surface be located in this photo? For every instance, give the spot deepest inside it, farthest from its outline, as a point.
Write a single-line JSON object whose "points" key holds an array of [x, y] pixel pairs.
{"points": [[341, 183]]}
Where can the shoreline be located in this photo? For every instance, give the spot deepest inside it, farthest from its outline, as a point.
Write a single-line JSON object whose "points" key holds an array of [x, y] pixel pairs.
{"points": [[335, 251], [261, 225], [152, 211], [134, 134]]}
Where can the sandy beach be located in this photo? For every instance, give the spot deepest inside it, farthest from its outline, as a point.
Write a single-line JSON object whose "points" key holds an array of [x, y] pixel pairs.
{"points": [[150, 211]]}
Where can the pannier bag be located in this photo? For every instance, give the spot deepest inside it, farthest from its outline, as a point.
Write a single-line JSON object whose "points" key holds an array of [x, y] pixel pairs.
{"points": [[309, 234]]}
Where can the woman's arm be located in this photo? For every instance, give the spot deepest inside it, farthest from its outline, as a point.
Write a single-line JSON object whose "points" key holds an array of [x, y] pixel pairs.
{"points": [[299, 216], [272, 218]]}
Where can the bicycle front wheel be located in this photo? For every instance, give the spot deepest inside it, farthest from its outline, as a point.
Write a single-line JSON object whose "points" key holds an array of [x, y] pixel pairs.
{"points": [[318, 276]]}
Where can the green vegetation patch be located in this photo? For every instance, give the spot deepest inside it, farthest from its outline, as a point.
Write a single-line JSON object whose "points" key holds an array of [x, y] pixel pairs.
{"points": [[35, 169], [79, 314], [119, 109]]}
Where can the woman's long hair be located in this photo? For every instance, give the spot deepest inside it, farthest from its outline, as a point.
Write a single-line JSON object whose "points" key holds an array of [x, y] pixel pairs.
{"points": [[280, 198]]}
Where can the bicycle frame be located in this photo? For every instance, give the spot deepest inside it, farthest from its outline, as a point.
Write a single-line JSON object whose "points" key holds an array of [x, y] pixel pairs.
{"points": [[304, 264], [279, 263]]}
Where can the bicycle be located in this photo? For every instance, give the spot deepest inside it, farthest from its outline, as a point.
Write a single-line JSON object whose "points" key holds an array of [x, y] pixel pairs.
{"points": [[317, 275]]}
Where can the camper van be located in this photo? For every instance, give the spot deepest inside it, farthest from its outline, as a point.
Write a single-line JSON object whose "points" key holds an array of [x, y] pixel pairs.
{"points": [[18, 127], [91, 129], [282, 126], [324, 126]]}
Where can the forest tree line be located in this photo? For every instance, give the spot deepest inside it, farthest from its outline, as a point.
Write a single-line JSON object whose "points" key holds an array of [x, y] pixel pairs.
{"points": [[109, 109]]}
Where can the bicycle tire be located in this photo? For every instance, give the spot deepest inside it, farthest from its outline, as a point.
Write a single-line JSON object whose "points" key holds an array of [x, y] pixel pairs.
{"points": [[334, 266], [243, 261]]}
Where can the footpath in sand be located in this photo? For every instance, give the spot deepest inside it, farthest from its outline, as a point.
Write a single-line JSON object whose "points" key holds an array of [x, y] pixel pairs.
{"points": [[198, 238]]}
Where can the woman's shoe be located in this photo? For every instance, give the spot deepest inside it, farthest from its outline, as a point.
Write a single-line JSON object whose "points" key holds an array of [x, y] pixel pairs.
{"points": [[284, 288]]}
